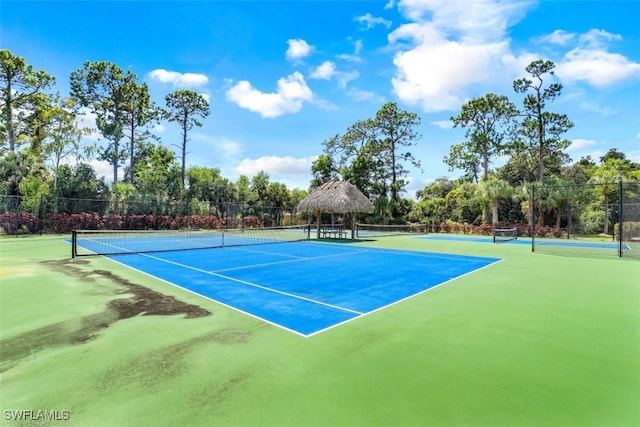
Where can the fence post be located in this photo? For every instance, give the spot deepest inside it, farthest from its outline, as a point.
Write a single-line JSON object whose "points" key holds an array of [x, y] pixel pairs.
{"points": [[620, 218], [533, 218]]}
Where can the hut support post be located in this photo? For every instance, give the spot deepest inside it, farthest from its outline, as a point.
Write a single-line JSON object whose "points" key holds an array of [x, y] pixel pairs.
{"points": [[319, 219], [353, 225]]}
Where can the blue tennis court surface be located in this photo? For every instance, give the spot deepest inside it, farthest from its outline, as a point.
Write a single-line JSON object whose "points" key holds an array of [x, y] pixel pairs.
{"points": [[527, 241], [304, 287]]}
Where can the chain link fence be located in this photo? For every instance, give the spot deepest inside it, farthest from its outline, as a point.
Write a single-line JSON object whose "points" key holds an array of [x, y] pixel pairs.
{"points": [[23, 215], [594, 219]]}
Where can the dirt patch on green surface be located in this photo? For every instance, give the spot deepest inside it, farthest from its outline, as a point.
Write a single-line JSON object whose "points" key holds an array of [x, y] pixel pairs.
{"points": [[134, 300]]}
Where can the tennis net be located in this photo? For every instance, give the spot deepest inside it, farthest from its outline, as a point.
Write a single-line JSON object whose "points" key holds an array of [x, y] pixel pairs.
{"points": [[379, 230], [113, 242], [504, 234]]}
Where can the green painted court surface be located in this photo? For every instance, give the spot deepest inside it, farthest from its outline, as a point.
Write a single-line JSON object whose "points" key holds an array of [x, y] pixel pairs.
{"points": [[535, 340]]}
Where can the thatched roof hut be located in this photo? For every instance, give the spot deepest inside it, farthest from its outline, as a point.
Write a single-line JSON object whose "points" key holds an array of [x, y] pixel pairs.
{"points": [[340, 197]]}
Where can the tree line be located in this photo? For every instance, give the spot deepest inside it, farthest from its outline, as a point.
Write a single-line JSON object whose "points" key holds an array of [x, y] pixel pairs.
{"points": [[44, 152]]}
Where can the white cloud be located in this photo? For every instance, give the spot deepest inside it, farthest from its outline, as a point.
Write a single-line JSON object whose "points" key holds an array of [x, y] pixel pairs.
{"points": [[436, 73], [86, 119], [451, 47], [289, 97], [324, 104], [290, 166], [344, 77], [478, 19], [443, 124], [158, 128], [559, 37], [365, 95], [220, 147], [357, 47], [596, 67], [229, 147], [298, 49], [590, 60], [324, 71], [355, 56], [327, 71], [105, 170], [182, 80], [581, 144], [597, 108], [634, 156], [390, 4], [598, 39], [370, 21]]}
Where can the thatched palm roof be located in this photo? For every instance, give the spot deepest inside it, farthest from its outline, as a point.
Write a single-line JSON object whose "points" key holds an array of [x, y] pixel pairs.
{"points": [[340, 197]]}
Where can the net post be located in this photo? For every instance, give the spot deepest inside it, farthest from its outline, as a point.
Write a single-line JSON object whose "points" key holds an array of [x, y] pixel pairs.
{"points": [[533, 218], [74, 243]]}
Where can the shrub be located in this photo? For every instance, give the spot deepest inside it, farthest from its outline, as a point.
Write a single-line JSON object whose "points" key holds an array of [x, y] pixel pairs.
{"points": [[251, 221], [592, 222], [14, 222]]}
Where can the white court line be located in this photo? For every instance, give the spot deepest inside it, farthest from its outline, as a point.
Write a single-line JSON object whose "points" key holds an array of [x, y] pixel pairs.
{"points": [[182, 288], [255, 285], [405, 298], [297, 259]]}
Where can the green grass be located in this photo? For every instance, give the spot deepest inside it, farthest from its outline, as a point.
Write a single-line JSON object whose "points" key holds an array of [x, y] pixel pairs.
{"points": [[535, 340]]}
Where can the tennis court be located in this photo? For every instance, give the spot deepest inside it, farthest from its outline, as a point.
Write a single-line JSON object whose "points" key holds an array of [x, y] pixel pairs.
{"points": [[302, 286], [527, 241]]}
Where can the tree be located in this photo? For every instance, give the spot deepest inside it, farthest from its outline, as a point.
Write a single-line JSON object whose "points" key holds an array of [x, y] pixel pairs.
{"points": [[153, 168], [463, 203], [606, 177], [184, 107], [32, 121], [105, 88], [395, 130], [19, 84], [541, 129], [80, 182], [461, 158], [259, 184], [138, 111], [323, 169], [17, 165], [560, 194], [488, 121], [371, 154], [243, 190], [359, 159], [202, 182], [491, 191], [62, 138], [279, 199]]}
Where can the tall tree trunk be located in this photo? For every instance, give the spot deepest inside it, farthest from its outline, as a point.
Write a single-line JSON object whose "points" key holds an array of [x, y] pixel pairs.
{"points": [[184, 148], [494, 211], [114, 159], [9, 116], [486, 214], [606, 211]]}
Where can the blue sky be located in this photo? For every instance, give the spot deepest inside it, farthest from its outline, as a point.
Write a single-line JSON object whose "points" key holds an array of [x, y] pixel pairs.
{"points": [[284, 76]]}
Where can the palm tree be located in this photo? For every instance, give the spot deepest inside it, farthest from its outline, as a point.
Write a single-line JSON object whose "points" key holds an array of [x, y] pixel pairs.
{"points": [[559, 196], [490, 192], [605, 178]]}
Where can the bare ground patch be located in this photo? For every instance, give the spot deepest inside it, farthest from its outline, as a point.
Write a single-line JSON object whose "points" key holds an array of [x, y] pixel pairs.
{"points": [[134, 300]]}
